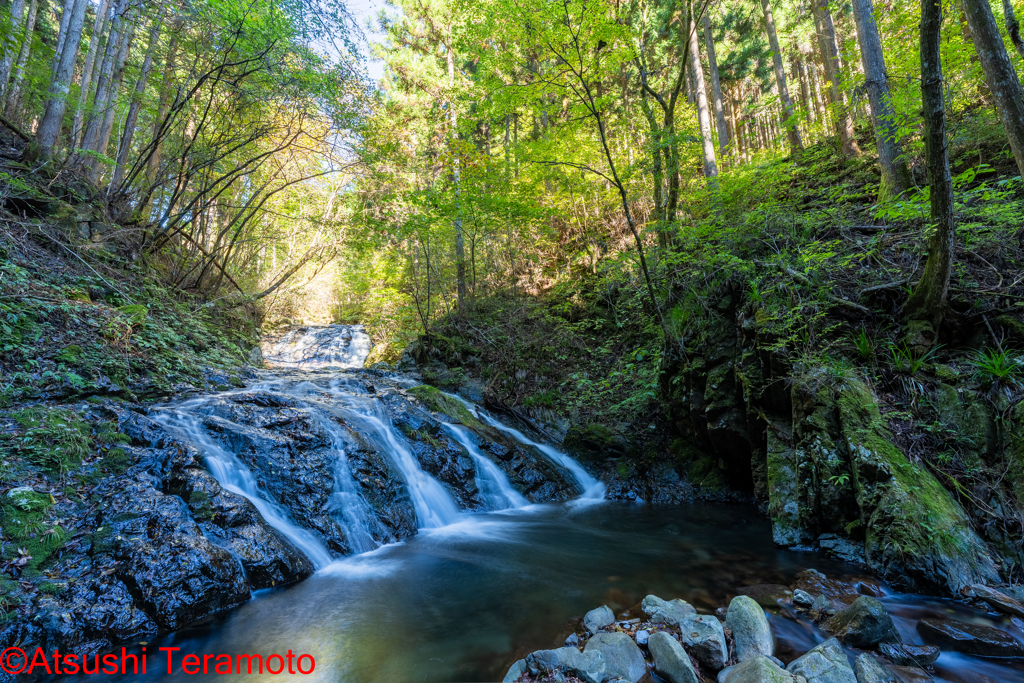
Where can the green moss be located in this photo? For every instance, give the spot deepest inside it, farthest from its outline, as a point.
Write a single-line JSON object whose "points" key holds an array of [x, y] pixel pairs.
{"points": [[437, 401], [199, 504], [48, 588], [134, 314], [70, 354]]}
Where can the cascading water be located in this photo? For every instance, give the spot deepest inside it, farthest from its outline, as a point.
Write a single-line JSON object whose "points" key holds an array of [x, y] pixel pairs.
{"points": [[236, 477], [494, 486], [348, 506], [341, 346]]}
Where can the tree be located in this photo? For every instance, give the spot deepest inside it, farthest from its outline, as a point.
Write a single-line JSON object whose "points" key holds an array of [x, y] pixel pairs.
{"points": [[999, 74], [124, 149], [60, 84], [716, 87], [703, 114], [1013, 26], [15, 90], [826, 34], [788, 120], [7, 59]]}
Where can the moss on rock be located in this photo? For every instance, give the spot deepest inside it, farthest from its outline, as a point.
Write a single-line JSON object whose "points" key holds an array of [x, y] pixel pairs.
{"points": [[439, 402]]}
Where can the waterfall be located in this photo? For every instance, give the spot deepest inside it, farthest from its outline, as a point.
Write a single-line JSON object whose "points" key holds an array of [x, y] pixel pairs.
{"points": [[348, 507], [343, 346], [494, 486], [236, 477]]}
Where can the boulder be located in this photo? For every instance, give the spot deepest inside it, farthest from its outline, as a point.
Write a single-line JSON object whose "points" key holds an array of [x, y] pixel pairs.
{"points": [[971, 639], [595, 619], [669, 612], [870, 670], [864, 624], [515, 671], [622, 657], [757, 670], [704, 638], [751, 634], [909, 655], [670, 659], [767, 594], [587, 666], [826, 663], [802, 598]]}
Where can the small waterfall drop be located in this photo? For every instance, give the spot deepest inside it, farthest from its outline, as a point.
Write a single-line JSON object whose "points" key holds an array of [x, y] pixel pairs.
{"points": [[348, 507], [494, 486], [236, 477], [311, 347]]}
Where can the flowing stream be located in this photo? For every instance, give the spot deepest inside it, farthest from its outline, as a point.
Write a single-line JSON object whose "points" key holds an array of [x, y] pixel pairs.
{"points": [[475, 590]]}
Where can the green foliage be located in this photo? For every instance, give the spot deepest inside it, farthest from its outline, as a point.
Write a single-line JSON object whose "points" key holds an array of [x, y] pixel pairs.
{"points": [[908, 361], [996, 366], [55, 440], [863, 345]]}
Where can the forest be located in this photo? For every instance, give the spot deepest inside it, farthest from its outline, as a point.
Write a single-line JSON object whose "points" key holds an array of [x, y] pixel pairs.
{"points": [[764, 252]]}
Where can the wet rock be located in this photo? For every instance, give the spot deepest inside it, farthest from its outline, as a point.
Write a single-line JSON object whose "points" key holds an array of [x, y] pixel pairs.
{"points": [[669, 612], [999, 601], [670, 659], [752, 637], [642, 637], [759, 669], [596, 619], [622, 657], [909, 655], [870, 670], [572, 641], [842, 548], [767, 594], [826, 663], [864, 624], [515, 671], [971, 639], [587, 666], [802, 598], [704, 637], [913, 674]]}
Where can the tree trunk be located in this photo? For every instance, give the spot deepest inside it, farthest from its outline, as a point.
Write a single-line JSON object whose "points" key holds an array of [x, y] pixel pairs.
{"points": [[928, 302], [716, 88], [7, 62], [999, 74], [57, 99], [788, 120], [460, 256], [895, 176], [163, 106], [96, 166], [14, 93], [806, 91], [703, 113], [830, 61], [90, 139], [133, 109], [98, 28], [1013, 26]]}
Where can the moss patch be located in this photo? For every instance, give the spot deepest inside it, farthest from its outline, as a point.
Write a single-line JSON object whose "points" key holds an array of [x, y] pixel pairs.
{"points": [[437, 401]]}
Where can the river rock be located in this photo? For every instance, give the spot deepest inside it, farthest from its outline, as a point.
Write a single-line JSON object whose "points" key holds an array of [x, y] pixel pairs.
{"points": [[669, 612], [670, 659], [870, 670], [998, 600], [971, 639], [823, 605], [596, 619], [515, 671], [826, 663], [642, 637], [704, 637], [802, 598], [767, 594], [751, 634], [910, 655], [759, 669], [864, 624], [622, 657], [587, 666]]}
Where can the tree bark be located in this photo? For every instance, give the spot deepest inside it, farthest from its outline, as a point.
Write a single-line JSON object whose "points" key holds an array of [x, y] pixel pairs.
{"points": [[999, 74], [163, 106], [14, 93], [716, 87], [703, 113], [133, 109], [98, 28], [57, 99], [90, 139], [1013, 26], [7, 62], [788, 120], [830, 61], [460, 255], [928, 301], [95, 166]]}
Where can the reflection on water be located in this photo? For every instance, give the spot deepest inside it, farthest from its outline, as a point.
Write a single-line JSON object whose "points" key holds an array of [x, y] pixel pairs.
{"points": [[462, 602]]}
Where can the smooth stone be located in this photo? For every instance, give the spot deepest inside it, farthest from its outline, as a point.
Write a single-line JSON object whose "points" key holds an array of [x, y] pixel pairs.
{"points": [[515, 671], [597, 618], [670, 659], [825, 663], [622, 657], [767, 594], [642, 637], [757, 670], [587, 666], [669, 612], [803, 598], [864, 624], [999, 601], [704, 638], [870, 670], [910, 655], [572, 641], [913, 674], [970, 639], [751, 634]]}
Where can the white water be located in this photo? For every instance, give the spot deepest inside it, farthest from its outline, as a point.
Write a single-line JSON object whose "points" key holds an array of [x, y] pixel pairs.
{"points": [[236, 477], [342, 346], [348, 507], [495, 488]]}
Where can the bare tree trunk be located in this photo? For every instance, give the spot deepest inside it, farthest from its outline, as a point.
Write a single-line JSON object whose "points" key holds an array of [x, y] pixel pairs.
{"points": [[62, 33], [999, 74], [133, 109], [805, 88], [895, 176], [1013, 26], [716, 88], [57, 100], [460, 256], [830, 61], [90, 140], [795, 145], [14, 93], [703, 114], [7, 62], [95, 166], [928, 301], [98, 28]]}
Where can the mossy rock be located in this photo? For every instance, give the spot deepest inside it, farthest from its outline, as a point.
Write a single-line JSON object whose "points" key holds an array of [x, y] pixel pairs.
{"points": [[437, 401], [135, 314], [593, 442], [70, 354]]}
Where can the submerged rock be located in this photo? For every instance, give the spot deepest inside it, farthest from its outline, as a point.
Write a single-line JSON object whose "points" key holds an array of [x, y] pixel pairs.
{"points": [[751, 634], [670, 659], [596, 619], [971, 639], [759, 669], [826, 663], [622, 657], [864, 624], [704, 637], [669, 612], [767, 594]]}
